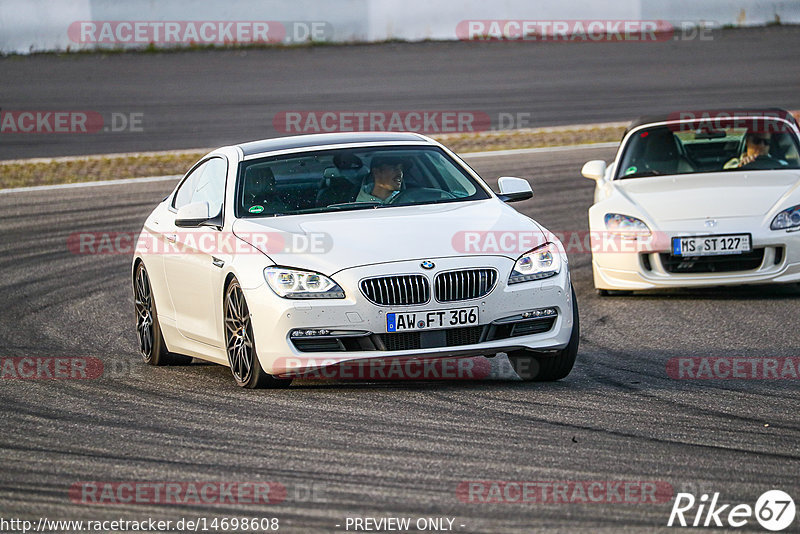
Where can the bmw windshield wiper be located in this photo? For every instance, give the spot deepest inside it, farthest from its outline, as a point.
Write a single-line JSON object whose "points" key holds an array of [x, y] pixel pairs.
{"points": [[352, 205], [337, 207]]}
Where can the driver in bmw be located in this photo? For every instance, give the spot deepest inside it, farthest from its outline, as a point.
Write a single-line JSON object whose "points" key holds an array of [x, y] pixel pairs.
{"points": [[387, 180]]}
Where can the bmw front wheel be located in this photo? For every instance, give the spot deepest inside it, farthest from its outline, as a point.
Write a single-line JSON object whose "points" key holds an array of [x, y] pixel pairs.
{"points": [[545, 367], [240, 345]]}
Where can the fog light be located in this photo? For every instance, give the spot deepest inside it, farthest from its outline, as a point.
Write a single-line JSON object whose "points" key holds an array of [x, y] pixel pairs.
{"points": [[542, 312], [309, 333]]}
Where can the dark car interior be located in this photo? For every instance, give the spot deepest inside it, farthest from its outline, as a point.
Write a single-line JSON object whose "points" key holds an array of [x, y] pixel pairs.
{"points": [[335, 178], [662, 150]]}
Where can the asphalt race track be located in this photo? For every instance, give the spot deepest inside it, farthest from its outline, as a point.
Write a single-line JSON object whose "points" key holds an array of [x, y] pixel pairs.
{"points": [[384, 449], [212, 98]]}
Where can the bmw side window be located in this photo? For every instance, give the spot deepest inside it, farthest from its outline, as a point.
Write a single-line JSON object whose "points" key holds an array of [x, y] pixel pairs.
{"points": [[183, 195], [210, 185]]}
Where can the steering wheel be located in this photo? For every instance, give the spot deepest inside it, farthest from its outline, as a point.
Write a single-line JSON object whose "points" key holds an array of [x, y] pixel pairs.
{"points": [[421, 194], [763, 163]]}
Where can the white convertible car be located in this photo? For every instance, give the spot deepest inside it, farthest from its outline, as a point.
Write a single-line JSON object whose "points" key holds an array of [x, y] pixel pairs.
{"points": [[276, 257], [698, 199]]}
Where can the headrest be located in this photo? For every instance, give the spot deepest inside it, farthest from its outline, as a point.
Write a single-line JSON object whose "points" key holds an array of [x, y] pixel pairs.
{"points": [[661, 145], [259, 178]]}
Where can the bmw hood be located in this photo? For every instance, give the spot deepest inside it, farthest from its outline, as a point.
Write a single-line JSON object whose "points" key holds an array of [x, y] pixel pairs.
{"points": [[712, 195], [331, 242]]}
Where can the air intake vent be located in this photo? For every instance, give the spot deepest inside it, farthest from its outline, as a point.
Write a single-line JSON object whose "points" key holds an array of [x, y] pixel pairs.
{"points": [[724, 263], [452, 286], [400, 290]]}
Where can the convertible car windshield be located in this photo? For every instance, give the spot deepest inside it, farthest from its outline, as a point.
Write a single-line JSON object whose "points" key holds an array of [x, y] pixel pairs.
{"points": [[349, 179], [663, 150]]}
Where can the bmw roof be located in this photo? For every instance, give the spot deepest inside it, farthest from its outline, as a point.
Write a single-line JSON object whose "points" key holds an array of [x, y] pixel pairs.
{"points": [[312, 140]]}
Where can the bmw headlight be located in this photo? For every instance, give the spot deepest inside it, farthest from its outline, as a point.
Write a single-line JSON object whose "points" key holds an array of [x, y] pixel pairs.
{"points": [[787, 219], [541, 262], [626, 226], [296, 284]]}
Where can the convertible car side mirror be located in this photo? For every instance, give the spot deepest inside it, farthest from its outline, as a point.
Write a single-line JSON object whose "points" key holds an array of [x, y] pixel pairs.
{"points": [[514, 189], [594, 170]]}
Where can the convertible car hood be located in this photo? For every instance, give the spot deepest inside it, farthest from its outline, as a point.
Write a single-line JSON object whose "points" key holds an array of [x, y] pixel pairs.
{"points": [[330, 242], [716, 195]]}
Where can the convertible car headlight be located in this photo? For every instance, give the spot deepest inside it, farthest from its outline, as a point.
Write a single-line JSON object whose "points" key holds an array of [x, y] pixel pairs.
{"points": [[541, 262], [626, 225], [787, 219], [296, 284]]}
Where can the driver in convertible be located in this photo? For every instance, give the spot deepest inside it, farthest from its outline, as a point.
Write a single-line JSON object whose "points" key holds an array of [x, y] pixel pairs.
{"points": [[757, 147], [386, 173]]}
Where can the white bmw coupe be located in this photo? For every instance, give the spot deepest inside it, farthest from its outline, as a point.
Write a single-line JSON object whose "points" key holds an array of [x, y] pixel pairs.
{"points": [[281, 256], [697, 199]]}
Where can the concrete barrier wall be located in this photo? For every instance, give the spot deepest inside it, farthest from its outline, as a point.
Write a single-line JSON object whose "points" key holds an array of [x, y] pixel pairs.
{"points": [[41, 25]]}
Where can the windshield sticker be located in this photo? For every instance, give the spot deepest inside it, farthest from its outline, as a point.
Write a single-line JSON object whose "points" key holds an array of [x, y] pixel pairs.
{"points": [[630, 170], [256, 209]]}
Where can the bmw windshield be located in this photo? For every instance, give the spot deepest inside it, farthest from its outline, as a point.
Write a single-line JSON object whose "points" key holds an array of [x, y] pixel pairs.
{"points": [[349, 179]]}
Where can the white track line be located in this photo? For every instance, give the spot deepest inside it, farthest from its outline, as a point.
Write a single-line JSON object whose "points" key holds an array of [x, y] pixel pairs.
{"points": [[466, 155], [541, 150], [91, 184]]}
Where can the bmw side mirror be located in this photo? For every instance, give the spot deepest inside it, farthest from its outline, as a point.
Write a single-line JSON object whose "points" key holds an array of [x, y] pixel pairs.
{"points": [[514, 189], [594, 170], [194, 215]]}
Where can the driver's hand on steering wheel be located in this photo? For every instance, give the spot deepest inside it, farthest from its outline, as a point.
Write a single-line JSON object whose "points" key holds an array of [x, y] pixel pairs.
{"points": [[745, 160]]}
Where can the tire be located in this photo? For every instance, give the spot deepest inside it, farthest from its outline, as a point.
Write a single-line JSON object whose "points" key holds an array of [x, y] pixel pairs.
{"points": [[613, 292], [533, 366], [151, 341], [239, 343]]}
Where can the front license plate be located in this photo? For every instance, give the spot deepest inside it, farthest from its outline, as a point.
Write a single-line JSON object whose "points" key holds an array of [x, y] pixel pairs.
{"points": [[711, 245], [431, 320]]}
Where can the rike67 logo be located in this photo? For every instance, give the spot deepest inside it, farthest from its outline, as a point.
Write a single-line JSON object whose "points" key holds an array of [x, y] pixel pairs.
{"points": [[774, 510]]}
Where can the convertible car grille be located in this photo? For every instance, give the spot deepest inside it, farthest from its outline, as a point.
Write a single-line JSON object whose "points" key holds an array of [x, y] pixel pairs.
{"points": [[466, 284], [400, 290], [724, 263]]}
